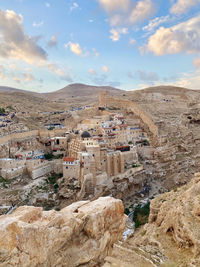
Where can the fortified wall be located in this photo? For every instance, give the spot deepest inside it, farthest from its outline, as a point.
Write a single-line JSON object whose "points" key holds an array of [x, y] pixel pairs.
{"points": [[42, 133], [106, 100], [18, 136]]}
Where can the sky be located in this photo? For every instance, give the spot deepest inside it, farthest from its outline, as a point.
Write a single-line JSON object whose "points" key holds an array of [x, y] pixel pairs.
{"points": [[128, 44]]}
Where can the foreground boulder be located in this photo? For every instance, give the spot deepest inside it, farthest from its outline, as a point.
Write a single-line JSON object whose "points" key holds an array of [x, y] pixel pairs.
{"points": [[80, 234]]}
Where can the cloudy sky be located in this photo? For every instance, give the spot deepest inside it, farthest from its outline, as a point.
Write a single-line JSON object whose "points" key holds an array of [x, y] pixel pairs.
{"points": [[129, 44]]}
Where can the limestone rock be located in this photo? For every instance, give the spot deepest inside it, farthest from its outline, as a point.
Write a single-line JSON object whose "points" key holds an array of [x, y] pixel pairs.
{"points": [[80, 234], [174, 225]]}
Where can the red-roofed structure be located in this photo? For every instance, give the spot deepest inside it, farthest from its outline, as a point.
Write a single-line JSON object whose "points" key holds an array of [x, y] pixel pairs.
{"points": [[66, 159]]}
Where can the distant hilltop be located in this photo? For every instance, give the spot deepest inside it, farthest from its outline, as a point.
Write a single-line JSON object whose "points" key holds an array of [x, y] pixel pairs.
{"points": [[77, 94]]}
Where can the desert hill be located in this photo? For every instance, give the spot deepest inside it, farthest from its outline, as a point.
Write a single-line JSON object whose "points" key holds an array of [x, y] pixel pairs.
{"points": [[13, 90], [151, 99], [27, 101], [165, 101], [71, 95], [81, 92], [163, 91]]}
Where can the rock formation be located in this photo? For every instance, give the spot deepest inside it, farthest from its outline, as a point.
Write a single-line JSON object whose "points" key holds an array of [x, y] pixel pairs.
{"points": [[172, 235], [173, 213], [174, 222], [79, 235]]}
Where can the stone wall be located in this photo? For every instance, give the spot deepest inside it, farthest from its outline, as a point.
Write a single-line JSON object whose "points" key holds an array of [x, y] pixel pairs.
{"points": [[42, 133], [57, 165], [12, 173], [43, 170], [81, 234], [130, 156], [71, 171], [114, 163], [105, 100], [11, 168], [16, 136]]}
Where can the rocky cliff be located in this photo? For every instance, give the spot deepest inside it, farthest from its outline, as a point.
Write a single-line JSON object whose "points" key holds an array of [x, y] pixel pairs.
{"points": [[174, 224], [79, 235], [172, 236]]}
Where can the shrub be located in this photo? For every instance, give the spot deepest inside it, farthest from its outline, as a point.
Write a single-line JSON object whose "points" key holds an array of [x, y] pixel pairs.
{"points": [[55, 187], [2, 110], [141, 215], [53, 178], [4, 182], [126, 211], [145, 142], [50, 156], [135, 165]]}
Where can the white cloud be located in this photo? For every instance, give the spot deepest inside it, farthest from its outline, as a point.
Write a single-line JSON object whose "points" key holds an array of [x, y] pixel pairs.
{"points": [[59, 72], [95, 53], [38, 24], [143, 10], [127, 12], [92, 72], [75, 48], [103, 80], [105, 68], [132, 42], [14, 42], [154, 23], [16, 79], [189, 80], [13, 66], [196, 62], [47, 5], [28, 77], [147, 76], [116, 33], [124, 31], [183, 37], [2, 73], [52, 42], [182, 6], [74, 6], [2, 76], [113, 5]]}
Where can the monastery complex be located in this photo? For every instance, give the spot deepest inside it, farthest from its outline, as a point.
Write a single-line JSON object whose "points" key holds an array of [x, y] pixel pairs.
{"points": [[99, 149]]}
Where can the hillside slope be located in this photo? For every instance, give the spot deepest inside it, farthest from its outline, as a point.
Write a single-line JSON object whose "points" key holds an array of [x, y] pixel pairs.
{"points": [[81, 93], [71, 95]]}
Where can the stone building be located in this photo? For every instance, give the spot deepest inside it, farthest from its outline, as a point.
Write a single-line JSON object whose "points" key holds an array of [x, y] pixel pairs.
{"points": [[59, 143], [71, 168], [114, 163], [11, 168], [32, 154], [37, 168]]}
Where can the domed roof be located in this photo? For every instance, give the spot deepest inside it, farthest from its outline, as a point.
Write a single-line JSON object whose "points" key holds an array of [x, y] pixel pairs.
{"points": [[85, 135]]}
